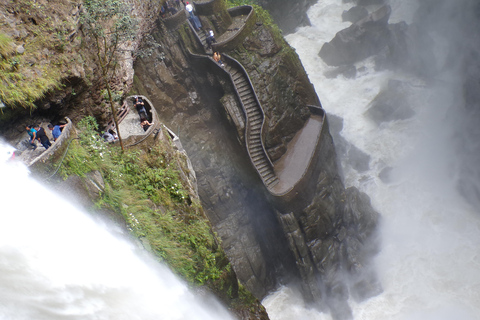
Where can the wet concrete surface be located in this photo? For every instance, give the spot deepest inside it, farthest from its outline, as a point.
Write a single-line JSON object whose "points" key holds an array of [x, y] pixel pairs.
{"points": [[292, 165], [237, 23], [130, 125]]}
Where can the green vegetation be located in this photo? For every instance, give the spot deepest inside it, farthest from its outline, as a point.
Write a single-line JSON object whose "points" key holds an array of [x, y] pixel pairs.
{"points": [[20, 84], [146, 189], [36, 64], [236, 3], [110, 24]]}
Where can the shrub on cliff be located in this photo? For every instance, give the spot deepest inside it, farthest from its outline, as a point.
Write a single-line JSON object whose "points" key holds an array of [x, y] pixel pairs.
{"points": [[146, 189]]}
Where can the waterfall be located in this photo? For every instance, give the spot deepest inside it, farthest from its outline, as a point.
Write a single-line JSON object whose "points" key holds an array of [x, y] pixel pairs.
{"points": [[57, 263], [430, 248]]}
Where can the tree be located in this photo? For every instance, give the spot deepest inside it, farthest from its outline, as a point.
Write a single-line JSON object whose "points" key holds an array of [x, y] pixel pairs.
{"points": [[110, 25]]}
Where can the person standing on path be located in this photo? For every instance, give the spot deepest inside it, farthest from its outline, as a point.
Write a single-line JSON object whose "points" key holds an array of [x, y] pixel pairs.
{"points": [[56, 130], [33, 136], [42, 137]]}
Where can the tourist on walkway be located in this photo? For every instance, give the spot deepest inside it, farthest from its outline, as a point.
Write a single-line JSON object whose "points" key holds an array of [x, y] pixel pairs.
{"points": [[210, 38], [218, 58], [42, 137], [189, 8], [33, 136], [140, 106], [194, 20], [110, 136], [56, 130], [145, 124]]}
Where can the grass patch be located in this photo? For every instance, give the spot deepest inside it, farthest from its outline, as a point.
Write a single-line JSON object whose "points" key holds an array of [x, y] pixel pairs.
{"points": [[146, 189], [28, 74]]}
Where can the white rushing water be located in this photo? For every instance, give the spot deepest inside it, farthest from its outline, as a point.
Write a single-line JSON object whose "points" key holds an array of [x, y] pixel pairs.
{"points": [[56, 264], [429, 264]]}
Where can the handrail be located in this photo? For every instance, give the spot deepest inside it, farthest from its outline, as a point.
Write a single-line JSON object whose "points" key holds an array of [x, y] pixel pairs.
{"points": [[196, 35], [247, 122], [256, 100], [56, 145]]}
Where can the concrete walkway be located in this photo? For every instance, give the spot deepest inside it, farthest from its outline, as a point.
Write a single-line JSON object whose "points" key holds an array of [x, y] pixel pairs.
{"points": [[291, 167], [130, 126]]}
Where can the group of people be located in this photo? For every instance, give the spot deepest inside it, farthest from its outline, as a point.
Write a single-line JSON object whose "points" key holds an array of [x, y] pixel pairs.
{"points": [[142, 113], [36, 132], [169, 8]]}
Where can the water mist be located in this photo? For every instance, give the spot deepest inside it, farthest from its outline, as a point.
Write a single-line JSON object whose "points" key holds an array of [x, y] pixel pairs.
{"points": [[57, 263], [430, 248]]}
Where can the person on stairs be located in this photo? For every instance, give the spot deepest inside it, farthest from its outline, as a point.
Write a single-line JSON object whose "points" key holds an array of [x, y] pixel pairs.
{"points": [[218, 58], [194, 20], [42, 137], [33, 136], [189, 8], [210, 38]]}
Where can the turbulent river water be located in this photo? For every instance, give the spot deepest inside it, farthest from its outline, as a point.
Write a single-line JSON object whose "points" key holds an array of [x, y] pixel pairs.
{"points": [[58, 264], [429, 263]]}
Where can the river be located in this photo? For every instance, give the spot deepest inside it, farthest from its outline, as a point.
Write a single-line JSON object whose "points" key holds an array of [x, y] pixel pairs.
{"points": [[430, 252]]}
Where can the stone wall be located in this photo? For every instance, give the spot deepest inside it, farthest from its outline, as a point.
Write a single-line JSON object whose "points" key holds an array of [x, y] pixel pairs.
{"points": [[314, 236], [57, 147], [175, 21], [237, 38]]}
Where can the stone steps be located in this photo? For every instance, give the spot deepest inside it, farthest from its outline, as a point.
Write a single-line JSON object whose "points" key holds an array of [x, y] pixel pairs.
{"points": [[254, 116]]}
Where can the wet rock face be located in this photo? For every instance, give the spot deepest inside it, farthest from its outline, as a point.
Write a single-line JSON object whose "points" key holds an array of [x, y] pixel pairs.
{"points": [[288, 14], [391, 104], [332, 232], [313, 240], [359, 41], [394, 46], [187, 95], [355, 14], [281, 85]]}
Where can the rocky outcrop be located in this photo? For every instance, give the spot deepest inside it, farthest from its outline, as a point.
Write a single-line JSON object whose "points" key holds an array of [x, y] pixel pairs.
{"points": [[393, 46], [288, 14], [359, 41], [316, 235], [392, 103]]}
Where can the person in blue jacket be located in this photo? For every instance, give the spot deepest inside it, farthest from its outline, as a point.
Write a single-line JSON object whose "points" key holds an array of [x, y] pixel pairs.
{"points": [[33, 136], [56, 130]]}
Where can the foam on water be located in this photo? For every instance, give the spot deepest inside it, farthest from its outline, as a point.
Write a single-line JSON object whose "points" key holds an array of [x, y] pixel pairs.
{"points": [[430, 258], [56, 263]]}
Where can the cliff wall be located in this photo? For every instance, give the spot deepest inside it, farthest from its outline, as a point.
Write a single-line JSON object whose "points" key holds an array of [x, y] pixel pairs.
{"points": [[321, 237]]}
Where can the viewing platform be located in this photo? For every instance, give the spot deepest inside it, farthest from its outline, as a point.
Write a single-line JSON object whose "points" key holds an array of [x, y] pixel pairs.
{"points": [[288, 175]]}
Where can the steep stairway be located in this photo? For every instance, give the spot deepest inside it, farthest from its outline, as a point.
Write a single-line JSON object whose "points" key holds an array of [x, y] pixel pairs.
{"points": [[254, 123], [253, 113]]}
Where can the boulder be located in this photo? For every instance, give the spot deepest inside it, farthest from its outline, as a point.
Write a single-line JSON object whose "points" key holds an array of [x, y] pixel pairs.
{"points": [[391, 103], [355, 14], [359, 41]]}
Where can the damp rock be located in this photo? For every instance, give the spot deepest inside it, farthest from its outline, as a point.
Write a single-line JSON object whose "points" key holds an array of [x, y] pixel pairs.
{"points": [[391, 104]]}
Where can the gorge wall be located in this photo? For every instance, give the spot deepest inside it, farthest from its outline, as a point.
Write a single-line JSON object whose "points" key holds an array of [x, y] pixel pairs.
{"points": [[323, 238]]}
